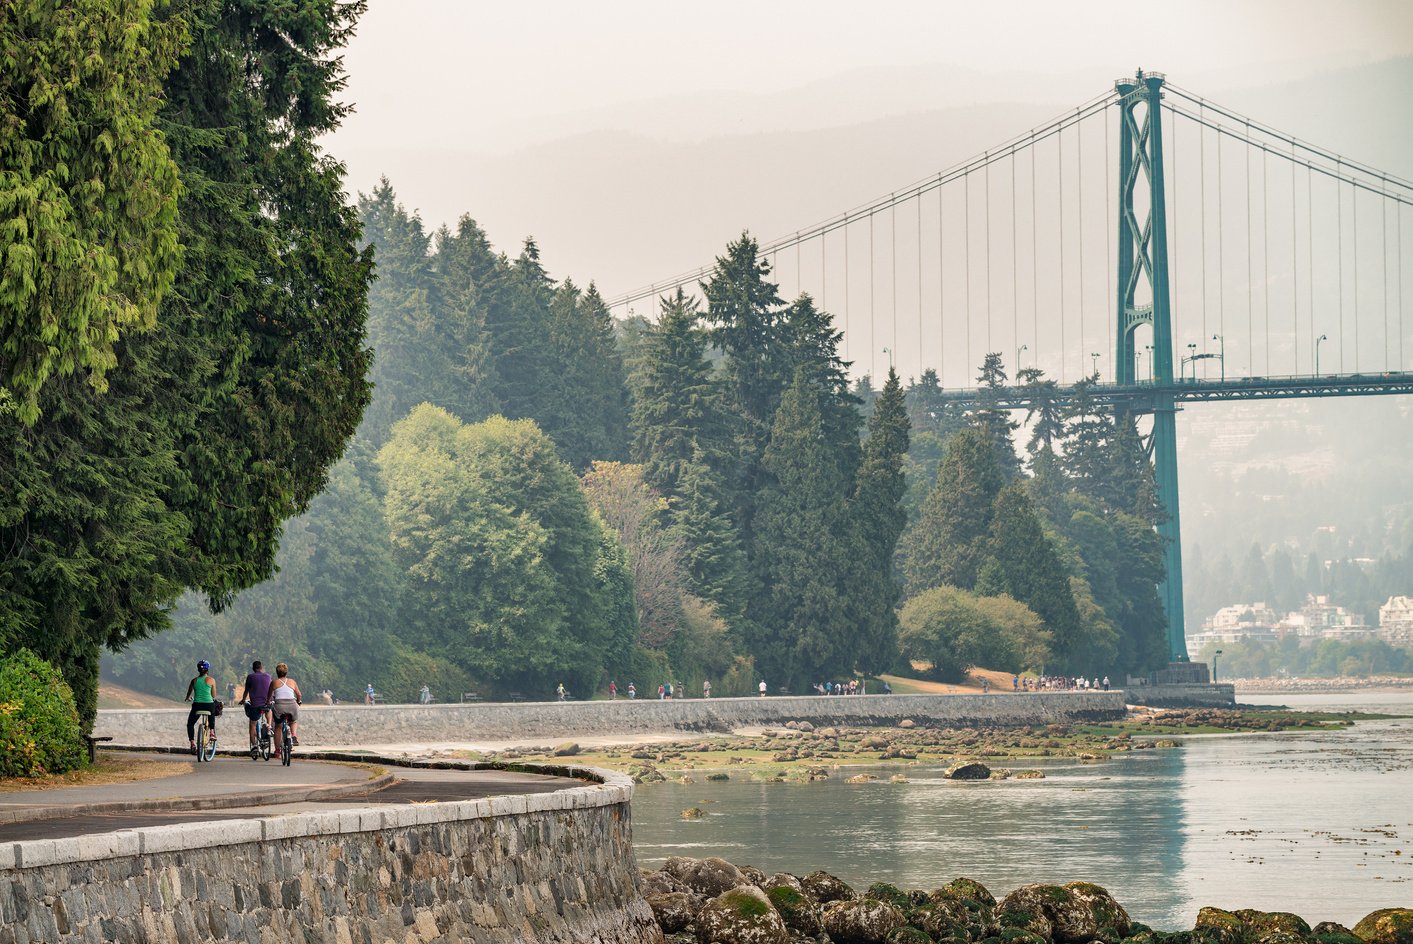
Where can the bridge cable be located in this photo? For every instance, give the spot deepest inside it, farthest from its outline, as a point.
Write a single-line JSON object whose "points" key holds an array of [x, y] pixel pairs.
{"points": [[966, 258], [1250, 281], [1354, 235], [1060, 195], [1034, 261], [1383, 265], [1202, 242], [1174, 282], [1294, 142], [920, 354], [1310, 250], [1294, 275], [872, 265], [986, 211], [1110, 224], [1079, 173], [1221, 255], [893, 250], [846, 294], [1266, 253], [941, 291], [1015, 270], [1339, 201]]}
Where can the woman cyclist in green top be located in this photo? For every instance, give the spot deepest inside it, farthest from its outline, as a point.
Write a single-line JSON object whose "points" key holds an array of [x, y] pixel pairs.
{"points": [[201, 692]]}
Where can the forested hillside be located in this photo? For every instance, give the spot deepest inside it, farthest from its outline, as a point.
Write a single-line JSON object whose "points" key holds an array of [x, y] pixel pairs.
{"points": [[537, 495]]}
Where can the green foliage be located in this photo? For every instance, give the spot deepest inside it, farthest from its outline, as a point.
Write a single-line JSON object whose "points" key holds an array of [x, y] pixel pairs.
{"points": [[88, 190], [39, 722], [1323, 658], [879, 519], [740, 679], [948, 542], [509, 566], [955, 630]]}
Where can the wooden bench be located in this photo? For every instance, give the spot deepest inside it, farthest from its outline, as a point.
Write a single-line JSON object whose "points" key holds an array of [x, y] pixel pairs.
{"points": [[92, 743], [470, 696]]}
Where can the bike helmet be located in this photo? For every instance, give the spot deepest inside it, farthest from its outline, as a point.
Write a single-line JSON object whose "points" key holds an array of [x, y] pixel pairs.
{"points": [[203, 666]]}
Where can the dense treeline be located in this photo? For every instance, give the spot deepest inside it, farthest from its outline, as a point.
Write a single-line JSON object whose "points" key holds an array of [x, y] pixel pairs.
{"points": [[537, 495], [182, 307], [1291, 656]]}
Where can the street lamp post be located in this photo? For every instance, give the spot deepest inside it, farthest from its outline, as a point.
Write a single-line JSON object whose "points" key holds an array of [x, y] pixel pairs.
{"points": [[1095, 363], [1215, 653], [1323, 337], [1023, 347], [1222, 354], [1138, 365], [889, 352], [1149, 348]]}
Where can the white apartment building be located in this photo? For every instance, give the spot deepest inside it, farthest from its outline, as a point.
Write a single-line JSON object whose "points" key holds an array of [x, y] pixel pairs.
{"points": [[1317, 619], [1396, 621]]}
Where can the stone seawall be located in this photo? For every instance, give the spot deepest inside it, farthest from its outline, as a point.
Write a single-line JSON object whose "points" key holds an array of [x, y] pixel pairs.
{"points": [[353, 725], [1214, 695], [554, 867]]}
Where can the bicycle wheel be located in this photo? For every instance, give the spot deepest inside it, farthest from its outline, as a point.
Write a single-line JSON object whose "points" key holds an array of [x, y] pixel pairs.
{"points": [[200, 738], [264, 740], [287, 753], [209, 749]]}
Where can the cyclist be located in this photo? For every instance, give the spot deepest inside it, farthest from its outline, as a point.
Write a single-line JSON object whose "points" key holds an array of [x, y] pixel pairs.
{"points": [[201, 692], [256, 696], [286, 698]]}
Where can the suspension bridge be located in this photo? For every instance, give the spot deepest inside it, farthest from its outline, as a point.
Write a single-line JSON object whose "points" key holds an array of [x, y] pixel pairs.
{"points": [[1147, 229]]}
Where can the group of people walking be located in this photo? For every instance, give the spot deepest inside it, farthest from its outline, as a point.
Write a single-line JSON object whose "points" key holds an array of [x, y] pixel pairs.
{"points": [[275, 698], [1059, 683]]}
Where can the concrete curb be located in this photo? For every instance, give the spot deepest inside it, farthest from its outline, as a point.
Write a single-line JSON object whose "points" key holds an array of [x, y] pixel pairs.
{"points": [[605, 788], [226, 801]]}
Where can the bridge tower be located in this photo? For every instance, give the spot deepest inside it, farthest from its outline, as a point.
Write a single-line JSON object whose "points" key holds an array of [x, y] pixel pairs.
{"points": [[1143, 271]]}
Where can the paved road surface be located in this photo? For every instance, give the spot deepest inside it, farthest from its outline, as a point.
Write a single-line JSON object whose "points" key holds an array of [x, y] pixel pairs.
{"points": [[68, 810]]}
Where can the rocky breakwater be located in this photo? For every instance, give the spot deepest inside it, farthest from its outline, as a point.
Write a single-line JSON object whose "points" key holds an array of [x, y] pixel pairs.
{"points": [[711, 901]]}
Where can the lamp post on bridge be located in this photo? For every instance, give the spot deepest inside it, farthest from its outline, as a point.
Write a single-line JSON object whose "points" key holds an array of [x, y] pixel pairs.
{"points": [[1023, 347], [1323, 337], [1215, 653], [1191, 358], [1137, 365], [1149, 348], [1095, 363], [1222, 354], [889, 352]]}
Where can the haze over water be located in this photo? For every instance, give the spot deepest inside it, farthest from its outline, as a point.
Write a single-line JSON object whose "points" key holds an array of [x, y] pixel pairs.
{"points": [[1308, 823]]}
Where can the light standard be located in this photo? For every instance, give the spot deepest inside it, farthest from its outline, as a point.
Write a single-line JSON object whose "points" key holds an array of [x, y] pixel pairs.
{"points": [[1190, 359], [1223, 354], [1095, 365], [1323, 337], [889, 352], [1138, 365], [1215, 653], [1023, 347], [1149, 349]]}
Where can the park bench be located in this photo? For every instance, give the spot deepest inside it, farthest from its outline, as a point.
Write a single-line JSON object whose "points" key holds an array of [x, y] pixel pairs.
{"points": [[470, 696], [92, 743]]}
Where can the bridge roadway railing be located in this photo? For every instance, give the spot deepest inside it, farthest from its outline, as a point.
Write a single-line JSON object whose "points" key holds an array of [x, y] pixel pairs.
{"points": [[1139, 396], [550, 722]]}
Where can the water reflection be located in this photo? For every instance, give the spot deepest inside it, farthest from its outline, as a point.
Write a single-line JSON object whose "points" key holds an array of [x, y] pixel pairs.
{"points": [[1319, 824], [1119, 824]]}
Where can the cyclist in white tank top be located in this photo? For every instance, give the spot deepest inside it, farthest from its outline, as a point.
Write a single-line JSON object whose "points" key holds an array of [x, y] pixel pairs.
{"points": [[286, 698]]}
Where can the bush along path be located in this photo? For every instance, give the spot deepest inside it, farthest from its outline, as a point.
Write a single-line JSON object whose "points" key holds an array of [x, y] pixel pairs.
{"points": [[711, 901]]}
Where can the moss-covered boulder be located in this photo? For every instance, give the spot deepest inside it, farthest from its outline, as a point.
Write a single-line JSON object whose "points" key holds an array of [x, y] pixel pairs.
{"points": [[753, 875], [825, 888], [1386, 926], [968, 888], [674, 911], [1328, 932], [889, 894], [908, 934], [972, 771], [955, 915], [1275, 927], [861, 921], [1217, 926], [741, 915], [799, 911], [1070, 919], [707, 877], [1109, 915]]}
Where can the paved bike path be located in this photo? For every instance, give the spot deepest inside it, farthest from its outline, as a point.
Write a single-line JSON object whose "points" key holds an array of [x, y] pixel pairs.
{"points": [[222, 791]]}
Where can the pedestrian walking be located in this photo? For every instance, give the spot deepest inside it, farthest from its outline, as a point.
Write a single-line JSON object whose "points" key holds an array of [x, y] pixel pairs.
{"points": [[632, 690], [706, 688], [762, 688], [559, 690], [612, 689]]}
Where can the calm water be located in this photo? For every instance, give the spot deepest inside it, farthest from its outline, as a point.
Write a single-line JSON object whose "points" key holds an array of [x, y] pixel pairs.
{"points": [[1309, 823]]}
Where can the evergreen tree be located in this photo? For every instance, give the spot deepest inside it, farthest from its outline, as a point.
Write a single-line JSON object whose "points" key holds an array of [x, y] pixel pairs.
{"points": [[586, 409], [879, 520], [928, 412], [805, 547], [991, 419], [712, 555], [1029, 570], [947, 544], [813, 347], [748, 322], [88, 188]]}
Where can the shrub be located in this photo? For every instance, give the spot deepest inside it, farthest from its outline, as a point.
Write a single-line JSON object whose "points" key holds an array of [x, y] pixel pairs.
{"points": [[39, 723]]}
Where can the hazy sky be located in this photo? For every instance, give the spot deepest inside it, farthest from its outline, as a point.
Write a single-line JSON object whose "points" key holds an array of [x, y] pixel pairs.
{"points": [[447, 73]]}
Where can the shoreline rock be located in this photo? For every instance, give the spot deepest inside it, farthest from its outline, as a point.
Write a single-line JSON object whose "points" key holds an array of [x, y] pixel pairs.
{"points": [[712, 901]]}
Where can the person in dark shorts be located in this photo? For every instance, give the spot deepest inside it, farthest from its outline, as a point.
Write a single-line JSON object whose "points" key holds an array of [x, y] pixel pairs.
{"points": [[201, 692], [256, 696]]}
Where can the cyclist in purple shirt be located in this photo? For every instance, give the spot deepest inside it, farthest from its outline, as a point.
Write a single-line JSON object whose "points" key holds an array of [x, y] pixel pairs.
{"points": [[256, 696]]}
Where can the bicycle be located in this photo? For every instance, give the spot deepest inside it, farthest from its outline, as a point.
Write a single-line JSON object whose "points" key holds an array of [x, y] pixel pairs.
{"points": [[263, 739], [286, 741], [205, 740]]}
